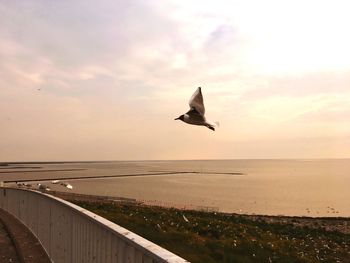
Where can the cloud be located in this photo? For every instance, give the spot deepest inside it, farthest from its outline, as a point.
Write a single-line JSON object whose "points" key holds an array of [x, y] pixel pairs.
{"points": [[105, 80], [81, 31], [224, 36], [301, 84]]}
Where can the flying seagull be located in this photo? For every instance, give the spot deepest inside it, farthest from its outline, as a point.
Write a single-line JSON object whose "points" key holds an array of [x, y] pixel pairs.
{"points": [[195, 115]]}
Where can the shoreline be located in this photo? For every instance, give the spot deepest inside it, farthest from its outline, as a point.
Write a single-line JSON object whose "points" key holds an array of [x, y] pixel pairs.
{"points": [[153, 203], [266, 188], [339, 224]]}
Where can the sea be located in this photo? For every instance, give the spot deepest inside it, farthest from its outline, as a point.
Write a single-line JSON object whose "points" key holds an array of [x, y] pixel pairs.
{"points": [[305, 187]]}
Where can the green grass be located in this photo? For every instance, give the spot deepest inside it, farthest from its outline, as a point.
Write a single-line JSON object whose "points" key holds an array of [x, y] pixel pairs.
{"points": [[216, 237]]}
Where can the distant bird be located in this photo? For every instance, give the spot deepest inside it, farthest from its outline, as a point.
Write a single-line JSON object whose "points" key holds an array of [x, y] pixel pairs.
{"points": [[55, 181], [195, 115], [69, 186], [23, 184], [185, 218], [43, 187], [27, 185]]}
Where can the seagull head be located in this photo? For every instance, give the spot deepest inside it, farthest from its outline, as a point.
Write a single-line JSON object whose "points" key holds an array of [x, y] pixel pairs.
{"points": [[180, 118]]}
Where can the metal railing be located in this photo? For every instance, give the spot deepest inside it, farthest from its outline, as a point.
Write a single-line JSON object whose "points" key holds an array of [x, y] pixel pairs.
{"points": [[70, 233]]}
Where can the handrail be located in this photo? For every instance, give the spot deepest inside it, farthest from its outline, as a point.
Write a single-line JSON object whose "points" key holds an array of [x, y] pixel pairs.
{"points": [[70, 233]]}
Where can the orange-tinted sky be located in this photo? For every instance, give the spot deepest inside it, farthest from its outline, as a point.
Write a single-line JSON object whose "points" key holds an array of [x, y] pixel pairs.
{"points": [[87, 80]]}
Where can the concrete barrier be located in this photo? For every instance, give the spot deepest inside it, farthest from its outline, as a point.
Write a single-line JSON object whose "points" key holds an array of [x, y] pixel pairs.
{"points": [[70, 233]]}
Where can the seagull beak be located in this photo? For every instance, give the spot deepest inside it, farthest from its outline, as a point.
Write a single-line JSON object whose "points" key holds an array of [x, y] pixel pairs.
{"points": [[178, 118]]}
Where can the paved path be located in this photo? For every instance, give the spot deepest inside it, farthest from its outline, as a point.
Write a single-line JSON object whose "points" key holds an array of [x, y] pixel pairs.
{"points": [[17, 243], [7, 249]]}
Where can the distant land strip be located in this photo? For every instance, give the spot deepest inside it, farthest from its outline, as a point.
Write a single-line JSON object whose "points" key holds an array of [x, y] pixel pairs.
{"points": [[196, 172], [20, 167], [220, 173], [90, 177], [105, 176], [42, 171]]}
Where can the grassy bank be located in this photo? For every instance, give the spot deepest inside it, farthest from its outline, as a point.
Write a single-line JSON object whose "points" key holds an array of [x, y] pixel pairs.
{"points": [[215, 237]]}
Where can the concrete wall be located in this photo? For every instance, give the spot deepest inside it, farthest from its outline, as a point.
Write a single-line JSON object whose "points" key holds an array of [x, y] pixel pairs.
{"points": [[70, 233]]}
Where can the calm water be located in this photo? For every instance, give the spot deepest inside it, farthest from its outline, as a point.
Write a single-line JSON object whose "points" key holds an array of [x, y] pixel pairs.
{"points": [[274, 187]]}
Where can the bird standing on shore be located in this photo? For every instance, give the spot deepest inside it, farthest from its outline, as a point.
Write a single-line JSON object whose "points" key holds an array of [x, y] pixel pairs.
{"points": [[195, 115], [69, 186]]}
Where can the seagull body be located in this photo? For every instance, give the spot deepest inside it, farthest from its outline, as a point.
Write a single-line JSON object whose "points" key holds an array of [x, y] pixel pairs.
{"points": [[195, 115]]}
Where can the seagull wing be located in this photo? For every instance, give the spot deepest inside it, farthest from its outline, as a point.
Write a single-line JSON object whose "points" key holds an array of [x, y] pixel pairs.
{"points": [[196, 102]]}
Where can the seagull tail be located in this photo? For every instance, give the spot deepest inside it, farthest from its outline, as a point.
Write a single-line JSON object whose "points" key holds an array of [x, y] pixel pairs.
{"points": [[214, 123]]}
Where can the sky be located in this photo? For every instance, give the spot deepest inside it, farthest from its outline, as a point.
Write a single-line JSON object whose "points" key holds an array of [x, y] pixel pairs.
{"points": [[104, 80]]}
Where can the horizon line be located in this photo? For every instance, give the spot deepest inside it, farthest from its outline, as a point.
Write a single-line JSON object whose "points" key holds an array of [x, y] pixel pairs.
{"points": [[156, 160]]}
